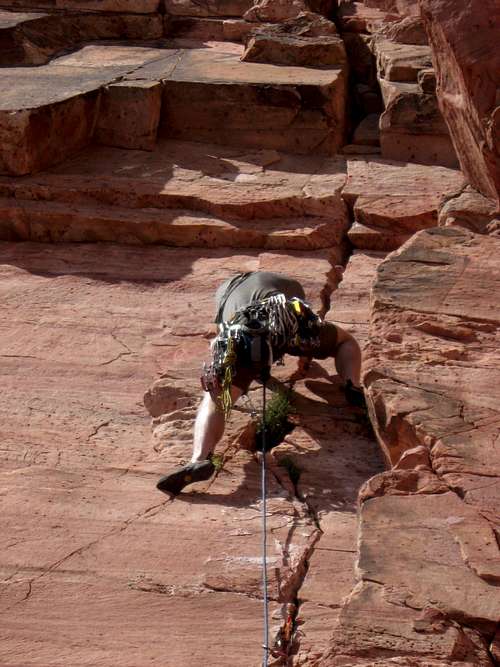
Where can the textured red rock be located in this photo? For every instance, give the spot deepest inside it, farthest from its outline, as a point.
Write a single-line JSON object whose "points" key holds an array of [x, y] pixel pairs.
{"points": [[471, 210], [307, 40], [464, 40], [376, 238], [129, 114], [222, 100], [33, 38], [126, 6], [109, 319], [207, 29], [229, 183], [412, 129], [275, 11], [48, 113], [408, 30], [207, 8], [87, 542], [392, 200], [427, 526], [332, 452], [378, 177], [401, 62], [452, 408], [358, 17], [52, 222], [404, 7]]}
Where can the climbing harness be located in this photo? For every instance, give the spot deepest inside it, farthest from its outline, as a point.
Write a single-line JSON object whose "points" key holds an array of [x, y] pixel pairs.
{"points": [[276, 323]]}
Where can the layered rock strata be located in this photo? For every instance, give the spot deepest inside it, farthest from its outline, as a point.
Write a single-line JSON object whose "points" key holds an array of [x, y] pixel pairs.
{"points": [[183, 194], [30, 38], [393, 200], [307, 40], [411, 125], [51, 111]]}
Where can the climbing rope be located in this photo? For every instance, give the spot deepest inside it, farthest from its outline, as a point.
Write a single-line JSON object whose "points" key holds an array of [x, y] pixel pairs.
{"points": [[264, 532]]}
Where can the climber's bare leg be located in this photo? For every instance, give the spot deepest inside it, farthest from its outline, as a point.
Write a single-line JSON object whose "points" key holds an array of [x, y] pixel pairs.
{"points": [[348, 357], [209, 425]]}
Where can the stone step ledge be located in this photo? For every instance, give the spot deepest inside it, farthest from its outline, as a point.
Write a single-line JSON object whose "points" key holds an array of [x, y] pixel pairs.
{"points": [[54, 222], [208, 95]]}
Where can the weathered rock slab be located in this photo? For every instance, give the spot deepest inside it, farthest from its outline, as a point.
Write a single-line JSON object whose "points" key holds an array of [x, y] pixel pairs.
{"points": [[392, 200], [401, 62], [49, 112], [126, 6], [331, 452], [472, 210], [426, 530], [307, 40], [276, 11], [447, 316], [84, 523], [33, 38], [412, 129], [41, 125], [217, 98], [430, 356], [207, 94], [54, 222], [129, 114], [408, 30], [225, 182], [376, 176], [209, 8], [464, 40], [208, 29], [358, 17]]}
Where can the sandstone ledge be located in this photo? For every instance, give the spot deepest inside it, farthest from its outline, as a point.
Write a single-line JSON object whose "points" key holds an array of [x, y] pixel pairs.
{"points": [[225, 182], [206, 93]]}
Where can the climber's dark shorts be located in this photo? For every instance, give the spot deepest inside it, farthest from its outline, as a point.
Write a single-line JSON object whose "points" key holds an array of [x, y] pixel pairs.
{"points": [[327, 348]]}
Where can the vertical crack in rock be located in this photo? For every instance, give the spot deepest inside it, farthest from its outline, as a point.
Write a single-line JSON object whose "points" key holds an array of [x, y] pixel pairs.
{"points": [[284, 477]]}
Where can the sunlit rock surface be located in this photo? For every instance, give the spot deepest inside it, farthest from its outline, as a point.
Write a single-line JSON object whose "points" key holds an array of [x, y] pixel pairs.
{"points": [[143, 162]]}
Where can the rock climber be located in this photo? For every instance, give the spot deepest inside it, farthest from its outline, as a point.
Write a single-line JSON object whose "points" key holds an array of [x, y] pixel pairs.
{"points": [[261, 316]]}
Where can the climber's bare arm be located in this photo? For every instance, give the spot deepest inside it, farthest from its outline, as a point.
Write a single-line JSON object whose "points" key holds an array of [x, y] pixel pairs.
{"points": [[339, 344]]}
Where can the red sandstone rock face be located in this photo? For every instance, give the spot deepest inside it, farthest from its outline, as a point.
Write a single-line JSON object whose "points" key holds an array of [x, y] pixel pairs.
{"points": [[307, 40], [276, 11], [464, 40], [393, 200], [129, 114], [86, 541], [33, 38], [50, 113], [84, 524], [428, 565]]}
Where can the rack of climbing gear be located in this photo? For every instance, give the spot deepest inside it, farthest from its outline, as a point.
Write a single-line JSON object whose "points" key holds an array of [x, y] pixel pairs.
{"points": [[255, 336]]}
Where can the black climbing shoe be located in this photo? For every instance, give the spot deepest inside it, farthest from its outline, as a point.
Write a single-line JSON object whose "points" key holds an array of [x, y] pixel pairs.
{"points": [[192, 472], [354, 395]]}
